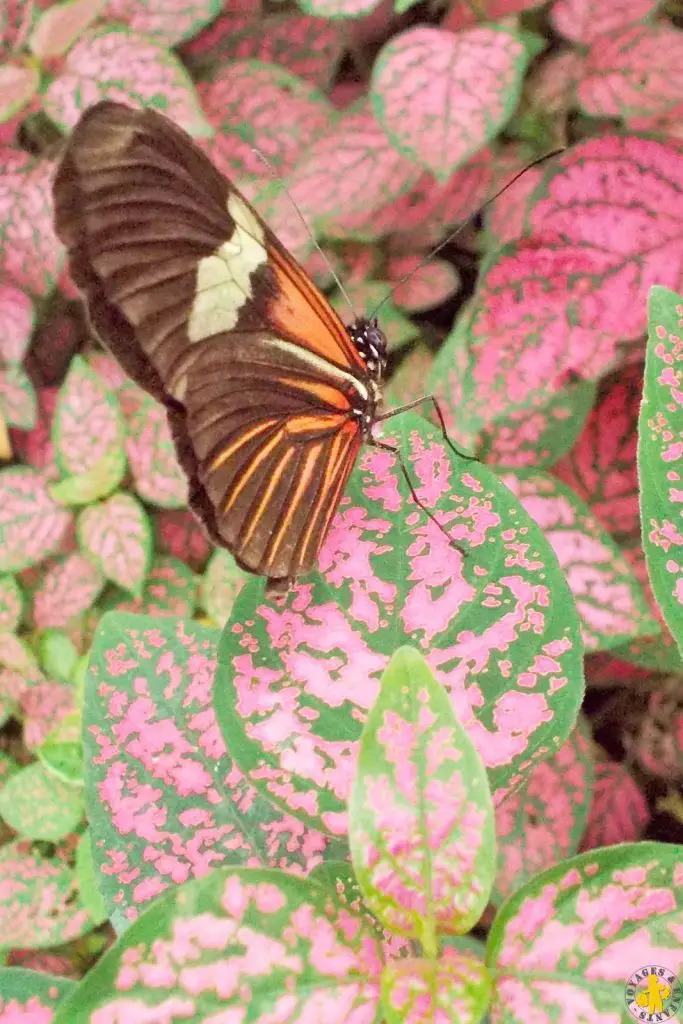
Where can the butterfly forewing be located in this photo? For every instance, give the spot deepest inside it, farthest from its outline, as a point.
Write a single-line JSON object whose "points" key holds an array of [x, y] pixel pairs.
{"points": [[208, 312]]}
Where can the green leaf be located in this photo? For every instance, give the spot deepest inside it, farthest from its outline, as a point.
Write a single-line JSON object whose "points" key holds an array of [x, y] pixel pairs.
{"points": [[30, 996], [58, 654], [660, 456], [87, 880], [97, 482], [421, 825], [11, 603], [421, 989], [221, 583], [38, 805]]}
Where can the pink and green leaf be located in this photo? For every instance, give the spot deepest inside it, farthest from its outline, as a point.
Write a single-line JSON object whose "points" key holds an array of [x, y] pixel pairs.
{"points": [[177, 532], [658, 652], [569, 939], [38, 805], [221, 583], [32, 525], [44, 706], [69, 587], [585, 21], [30, 255], [607, 593], [157, 477], [15, 22], [289, 944], [170, 589], [17, 320], [35, 446], [88, 427], [387, 576], [421, 826], [167, 22], [58, 27], [542, 823], [261, 108], [110, 62], [660, 456], [415, 990], [18, 657], [164, 798], [428, 284], [117, 534], [341, 10], [18, 403], [619, 811], [94, 483], [19, 84], [470, 12], [11, 604], [473, 81], [28, 996], [39, 902]]}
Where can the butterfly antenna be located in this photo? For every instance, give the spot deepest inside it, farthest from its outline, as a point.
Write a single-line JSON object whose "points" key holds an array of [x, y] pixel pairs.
{"points": [[442, 245], [276, 177]]}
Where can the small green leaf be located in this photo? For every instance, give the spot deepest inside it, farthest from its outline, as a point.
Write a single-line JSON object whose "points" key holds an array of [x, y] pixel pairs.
{"points": [[87, 880], [95, 483], [11, 603], [422, 989], [38, 805], [57, 653], [421, 826]]}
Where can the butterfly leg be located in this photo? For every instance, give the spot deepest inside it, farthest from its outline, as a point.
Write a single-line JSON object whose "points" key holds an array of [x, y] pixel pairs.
{"points": [[437, 409]]}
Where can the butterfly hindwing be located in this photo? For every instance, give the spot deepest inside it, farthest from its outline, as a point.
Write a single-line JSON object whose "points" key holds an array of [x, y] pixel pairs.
{"points": [[207, 311]]}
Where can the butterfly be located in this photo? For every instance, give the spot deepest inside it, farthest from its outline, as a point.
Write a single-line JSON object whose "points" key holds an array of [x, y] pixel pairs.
{"points": [[268, 394]]}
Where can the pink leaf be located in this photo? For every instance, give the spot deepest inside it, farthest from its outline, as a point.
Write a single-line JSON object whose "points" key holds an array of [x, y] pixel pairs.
{"points": [[32, 525], [428, 285], [619, 811], [18, 85], [88, 424], [117, 534], [60, 26], [168, 21], [15, 22], [45, 706], [69, 587], [466, 13], [253, 105], [11, 604], [506, 217], [637, 72], [108, 370], [16, 323], [442, 97], [35, 446], [29, 251], [427, 989], [550, 87], [601, 467], [157, 476], [112, 63], [308, 47], [17, 397], [584, 20], [607, 223], [343, 180], [177, 532]]}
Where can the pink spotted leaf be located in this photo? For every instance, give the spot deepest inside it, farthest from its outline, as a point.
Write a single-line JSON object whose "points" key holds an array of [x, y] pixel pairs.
{"points": [[308, 47], [419, 800], [30, 255], [660, 456], [18, 403], [88, 429], [96, 482], [532, 948], [70, 586], [542, 823], [637, 72], [606, 221], [601, 466], [19, 84], [112, 63], [260, 106], [168, 23], [221, 583], [16, 323], [465, 13], [584, 21], [44, 707], [157, 477], [117, 534], [17, 656], [11, 604], [424, 989], [58, 27], [608, 596], [170, 589], [387, 575], [39, 903], [160, 820], [177, 532], [473, 81], [31, 995], [38, 805], [428, 285], [32, 525], [324, 960], [619, 811], [658, 652]]}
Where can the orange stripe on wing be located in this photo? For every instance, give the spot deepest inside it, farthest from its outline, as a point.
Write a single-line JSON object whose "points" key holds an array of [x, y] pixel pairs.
{"points": [[260, 427], [340, 462]]}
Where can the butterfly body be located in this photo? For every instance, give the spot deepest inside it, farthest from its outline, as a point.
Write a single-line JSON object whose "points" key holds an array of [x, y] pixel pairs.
{"points": [[269, 396]]}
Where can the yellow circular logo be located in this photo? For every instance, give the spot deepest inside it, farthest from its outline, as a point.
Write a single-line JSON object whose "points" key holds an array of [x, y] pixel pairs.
{"points": [[653, 994]]}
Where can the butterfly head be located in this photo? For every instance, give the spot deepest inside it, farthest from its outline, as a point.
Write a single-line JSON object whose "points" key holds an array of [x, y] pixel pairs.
{"points": [[371, 343]]}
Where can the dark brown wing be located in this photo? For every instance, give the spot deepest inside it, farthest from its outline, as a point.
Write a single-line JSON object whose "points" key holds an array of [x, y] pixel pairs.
{"points": [[207, 312]]}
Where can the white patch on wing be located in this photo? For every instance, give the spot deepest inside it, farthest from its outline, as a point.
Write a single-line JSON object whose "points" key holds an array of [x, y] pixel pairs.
{"points": [[224, 278]]}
